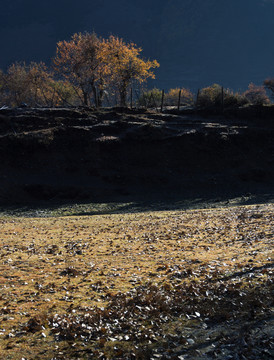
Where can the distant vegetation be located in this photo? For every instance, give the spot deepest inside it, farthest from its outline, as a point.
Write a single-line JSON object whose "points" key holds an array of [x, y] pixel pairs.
{"points": [[209, 97], [91, 71], [215, 94], [153, 98]]}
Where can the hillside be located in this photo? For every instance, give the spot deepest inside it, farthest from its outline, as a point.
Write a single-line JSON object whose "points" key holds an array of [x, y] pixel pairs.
{"points": [[120, 279], [81, 155]]}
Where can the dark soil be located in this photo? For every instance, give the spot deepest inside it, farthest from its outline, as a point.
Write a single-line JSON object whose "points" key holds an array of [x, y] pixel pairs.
{"points": [[119, 155]]}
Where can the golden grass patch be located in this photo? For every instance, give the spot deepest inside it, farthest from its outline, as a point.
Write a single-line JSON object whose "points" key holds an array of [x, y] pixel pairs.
{"points": [[52, 265]]}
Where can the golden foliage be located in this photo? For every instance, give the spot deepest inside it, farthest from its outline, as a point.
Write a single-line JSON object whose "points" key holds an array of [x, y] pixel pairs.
{"points": [[77, 61], [89, 62]]}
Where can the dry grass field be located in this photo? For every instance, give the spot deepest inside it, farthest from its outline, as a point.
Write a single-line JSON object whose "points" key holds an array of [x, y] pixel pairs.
{"points": [[193, 284]]}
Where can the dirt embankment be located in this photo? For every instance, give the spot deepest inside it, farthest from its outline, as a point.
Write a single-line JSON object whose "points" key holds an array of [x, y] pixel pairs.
{"points": [[109, 155]]}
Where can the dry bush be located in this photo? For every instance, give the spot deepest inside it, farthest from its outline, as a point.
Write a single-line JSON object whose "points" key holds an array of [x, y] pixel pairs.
{"points": [[256, 95], [211, 96], [150, 98], [172, 97]]}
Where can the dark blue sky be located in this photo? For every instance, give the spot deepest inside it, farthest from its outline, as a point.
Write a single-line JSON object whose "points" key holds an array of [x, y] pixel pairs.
{"points": [[197, 42]]}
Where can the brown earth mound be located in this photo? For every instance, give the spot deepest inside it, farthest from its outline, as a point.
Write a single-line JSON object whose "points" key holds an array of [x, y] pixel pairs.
{"points": [[119, 154]]}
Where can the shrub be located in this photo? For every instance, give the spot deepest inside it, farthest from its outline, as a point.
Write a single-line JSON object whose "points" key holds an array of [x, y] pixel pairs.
{"points": [[151, 98], [172, 97], [269, 85], [256, 95], [211, 96], [234, 99]]}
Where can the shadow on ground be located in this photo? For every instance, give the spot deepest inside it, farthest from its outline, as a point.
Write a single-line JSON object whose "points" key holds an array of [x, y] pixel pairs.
{"points": [[80, 161]]}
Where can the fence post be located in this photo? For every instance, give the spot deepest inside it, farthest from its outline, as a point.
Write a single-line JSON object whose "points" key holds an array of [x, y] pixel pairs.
{"points": [[154, 101], [144, 99], [150, 100], [137, 96], [162, 101], [131, 98], [222, 99], [197, 98], [106, 95], [96, 97], [179, 100]]}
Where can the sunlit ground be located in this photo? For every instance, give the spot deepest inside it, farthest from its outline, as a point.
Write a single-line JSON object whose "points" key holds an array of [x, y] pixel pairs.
{"points": [[65, 283]]}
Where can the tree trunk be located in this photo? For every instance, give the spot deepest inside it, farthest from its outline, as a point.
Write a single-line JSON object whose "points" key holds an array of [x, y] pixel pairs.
{"points": [[100, 92], [100, 98], [123, 96], [95, 96], [85, 98]]}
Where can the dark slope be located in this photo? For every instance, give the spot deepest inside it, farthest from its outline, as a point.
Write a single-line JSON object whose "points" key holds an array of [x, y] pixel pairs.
{"points": [[77, 155]]}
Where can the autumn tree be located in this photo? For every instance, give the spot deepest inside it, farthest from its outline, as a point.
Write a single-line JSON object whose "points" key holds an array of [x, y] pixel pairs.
{"points": [[77, 62], [121, 65], [16, 84], [45, 90], [40, 85], [86, 65], [33, 84]]}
